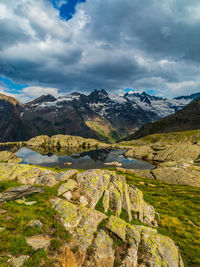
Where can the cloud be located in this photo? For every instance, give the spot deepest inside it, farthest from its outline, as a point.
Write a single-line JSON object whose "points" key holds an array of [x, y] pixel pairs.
{"points": [[111, 44]]}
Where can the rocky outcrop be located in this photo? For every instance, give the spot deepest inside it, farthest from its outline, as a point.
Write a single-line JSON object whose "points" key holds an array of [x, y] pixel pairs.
{"points": [[30, 175], [108, 240], [176, 164], [98, 214], [7, 156], [62, 141]]}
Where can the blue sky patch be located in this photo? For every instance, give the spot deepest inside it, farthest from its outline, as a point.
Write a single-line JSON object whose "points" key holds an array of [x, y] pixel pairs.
{"points": [[11, 87], [67, 8]]}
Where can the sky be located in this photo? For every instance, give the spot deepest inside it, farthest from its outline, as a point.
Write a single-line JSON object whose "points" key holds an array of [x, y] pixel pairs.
{"points": [[61, 46]]}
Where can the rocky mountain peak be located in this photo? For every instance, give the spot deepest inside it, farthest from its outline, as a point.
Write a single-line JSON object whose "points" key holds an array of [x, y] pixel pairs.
{"points": [[10, 99], [42, 99]]}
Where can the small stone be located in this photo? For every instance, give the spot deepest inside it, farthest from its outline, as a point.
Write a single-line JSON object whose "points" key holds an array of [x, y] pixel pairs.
{"points": [[68, 195], [2, 228], [28, 203], [18, 262], [38, 242], [2, 211], [36, 223]]}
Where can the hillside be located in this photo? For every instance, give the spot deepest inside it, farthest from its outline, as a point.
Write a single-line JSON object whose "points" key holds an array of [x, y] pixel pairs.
{"points": [[186, 119]]}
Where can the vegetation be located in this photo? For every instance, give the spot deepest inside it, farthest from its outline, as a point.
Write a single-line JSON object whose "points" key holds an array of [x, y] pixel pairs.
{"points": [[16, 221], [179, 209], [167, 138]]}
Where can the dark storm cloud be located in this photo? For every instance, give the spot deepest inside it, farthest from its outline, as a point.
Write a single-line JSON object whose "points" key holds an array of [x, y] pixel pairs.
{"points": [[111, 44]]}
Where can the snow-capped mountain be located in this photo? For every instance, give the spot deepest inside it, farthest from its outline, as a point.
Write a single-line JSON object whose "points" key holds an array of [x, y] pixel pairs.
{"points": [[98, 115], [161, 106]]}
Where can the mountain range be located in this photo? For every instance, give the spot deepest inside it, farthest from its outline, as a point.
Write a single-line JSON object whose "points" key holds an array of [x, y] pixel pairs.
{"points": [[186, 119], [99, 115]]}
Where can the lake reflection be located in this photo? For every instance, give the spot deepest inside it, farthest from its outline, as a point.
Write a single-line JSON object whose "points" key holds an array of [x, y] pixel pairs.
{"points": [[80, 159]]}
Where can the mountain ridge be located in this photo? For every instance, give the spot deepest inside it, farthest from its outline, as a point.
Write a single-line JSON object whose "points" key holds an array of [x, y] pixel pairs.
{"points": [[99, 115]]}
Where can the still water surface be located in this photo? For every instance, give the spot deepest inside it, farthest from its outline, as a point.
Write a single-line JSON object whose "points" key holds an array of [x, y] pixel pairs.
{"points": [[92, 159]]}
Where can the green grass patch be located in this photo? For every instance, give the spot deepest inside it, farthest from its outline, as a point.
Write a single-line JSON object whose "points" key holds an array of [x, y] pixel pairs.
{"points": [[16, 222]]}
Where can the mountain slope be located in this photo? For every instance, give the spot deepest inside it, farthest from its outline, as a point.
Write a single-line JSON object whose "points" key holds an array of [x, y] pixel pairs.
{"points": [[99, 115], [186, 119]]}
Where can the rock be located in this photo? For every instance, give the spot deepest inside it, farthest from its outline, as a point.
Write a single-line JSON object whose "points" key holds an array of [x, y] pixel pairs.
{"points": [[117, 226], [115, 197], [83, 201], [102, 251], [60, 140], [106, 200], [179, 175], [69, 260], [157, 250], [114, 163], [63, 176], [41, 140], [69, 213], [93, 233], [28, 203], [143, 212], [36, 223], [2, 229], [93, 184], [84, 233], [38, 242], [19, 192], [68, 195], [19, 261], [6, 156], [68, 163], [27, 174], [69, 185]]}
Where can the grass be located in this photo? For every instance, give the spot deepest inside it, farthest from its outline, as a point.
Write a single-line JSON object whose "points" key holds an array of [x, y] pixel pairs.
{"points": [[179, 209], [16, 222], [166, 138]]}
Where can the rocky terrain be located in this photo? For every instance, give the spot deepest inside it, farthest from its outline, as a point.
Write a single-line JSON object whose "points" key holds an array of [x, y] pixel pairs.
{"points": [[108, 220], [98, 115], [176, 156]]}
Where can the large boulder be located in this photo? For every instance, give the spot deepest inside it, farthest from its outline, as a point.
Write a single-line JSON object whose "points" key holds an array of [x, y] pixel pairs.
{"points": [[28, 174]]}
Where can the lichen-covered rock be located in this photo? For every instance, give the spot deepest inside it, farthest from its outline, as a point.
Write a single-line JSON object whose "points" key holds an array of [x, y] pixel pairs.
{"points": [[69, 185], [103, 240], [60, 140], [69, 213], [38, 141], [117, 226], [102, 254], [7, 156], [178, 175], [27, 174], [156, 250], [18, 192], [63, 176], [19, 261], [84, 232], [143, 212], [115, 200], [106, 200], [93, 183]]}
